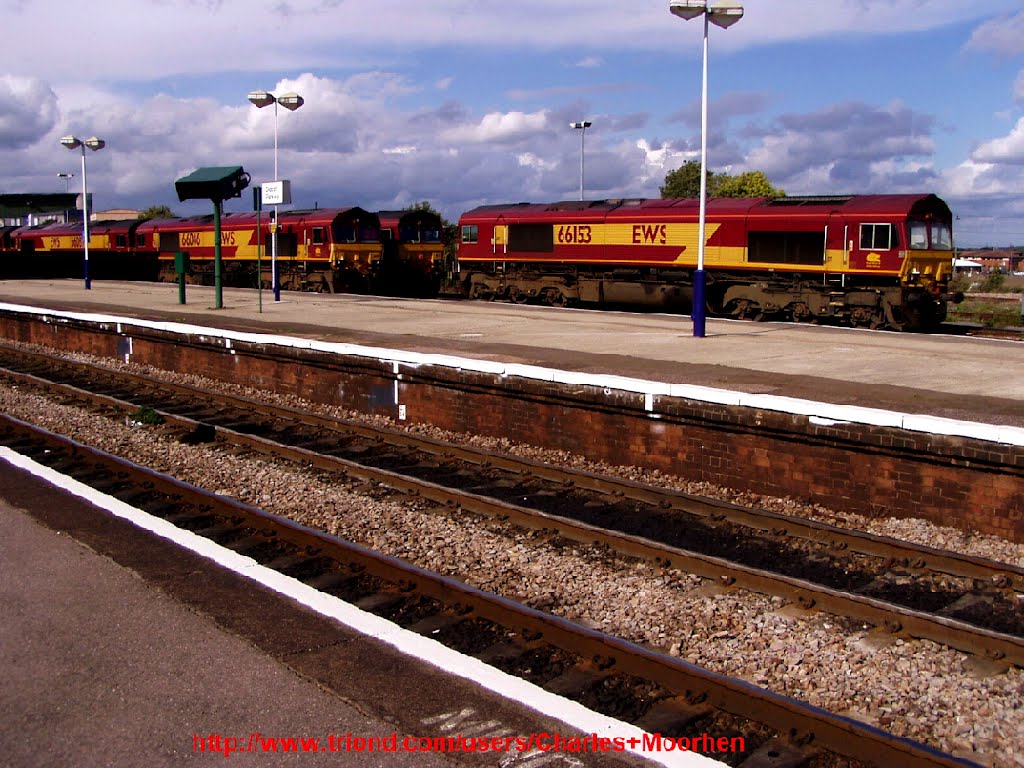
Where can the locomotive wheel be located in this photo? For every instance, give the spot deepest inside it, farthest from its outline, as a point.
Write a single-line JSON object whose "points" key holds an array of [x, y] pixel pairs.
{"points": [[481, 292], [800, 312], [554, 297], [517, 296]]}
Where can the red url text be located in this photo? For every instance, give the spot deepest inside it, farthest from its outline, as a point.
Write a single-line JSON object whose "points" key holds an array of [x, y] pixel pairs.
{"points": [[535, 742]]}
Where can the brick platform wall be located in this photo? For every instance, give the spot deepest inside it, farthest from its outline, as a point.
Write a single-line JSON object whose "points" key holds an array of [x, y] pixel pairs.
{"points": [[959, 482]]}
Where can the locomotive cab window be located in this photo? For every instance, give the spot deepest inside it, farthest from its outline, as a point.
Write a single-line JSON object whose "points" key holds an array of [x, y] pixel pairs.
{"points": [[942, 238], [918, 235], [122, 241], [878, 237], [319, 236], [470, 232]]}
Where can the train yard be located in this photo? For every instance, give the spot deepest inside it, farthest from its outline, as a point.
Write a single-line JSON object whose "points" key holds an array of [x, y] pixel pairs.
{"points": [[836, 548], [665, 601]]}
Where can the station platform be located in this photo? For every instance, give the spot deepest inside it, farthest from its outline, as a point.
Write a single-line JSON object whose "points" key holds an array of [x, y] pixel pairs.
{"points": [[121, 649], [950, 376]]}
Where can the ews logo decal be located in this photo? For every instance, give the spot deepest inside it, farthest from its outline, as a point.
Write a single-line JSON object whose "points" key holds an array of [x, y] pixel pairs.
{"points": [[650, 234]]}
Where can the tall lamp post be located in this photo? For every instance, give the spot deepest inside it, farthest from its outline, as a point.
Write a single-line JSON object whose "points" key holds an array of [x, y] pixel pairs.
{"points": [[95, 145], [291, 102], [67, 180], [582, 128], [722, 14]]}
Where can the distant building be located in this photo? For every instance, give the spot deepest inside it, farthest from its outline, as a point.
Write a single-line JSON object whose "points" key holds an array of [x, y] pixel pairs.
{"points": [[36, 208], [968, 266], [996, 259], [115, 214]]}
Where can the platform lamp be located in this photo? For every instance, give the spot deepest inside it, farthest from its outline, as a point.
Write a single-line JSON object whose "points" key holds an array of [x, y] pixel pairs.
{"points": [[581, 126], [291, 102], [722, 14], [67, 180], [95, 145], [216, 184]]}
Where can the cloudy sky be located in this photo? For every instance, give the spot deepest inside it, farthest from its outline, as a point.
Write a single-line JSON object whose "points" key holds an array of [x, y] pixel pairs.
{"points": [[466, 102]]}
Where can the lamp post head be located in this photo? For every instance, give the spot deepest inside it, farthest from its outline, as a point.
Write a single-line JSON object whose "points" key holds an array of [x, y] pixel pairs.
{"points": [[95, 144], [291, 101], [724, 13], [582, 124], [261, 98], [688, 9], [71, 142]]}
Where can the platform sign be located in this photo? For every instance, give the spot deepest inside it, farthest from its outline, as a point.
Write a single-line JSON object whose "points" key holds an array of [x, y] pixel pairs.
{"points": [[277, 192]]}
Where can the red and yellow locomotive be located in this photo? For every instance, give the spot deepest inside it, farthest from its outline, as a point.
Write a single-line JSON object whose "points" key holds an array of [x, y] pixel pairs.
{"points": [[877, 260], [325, 250]]}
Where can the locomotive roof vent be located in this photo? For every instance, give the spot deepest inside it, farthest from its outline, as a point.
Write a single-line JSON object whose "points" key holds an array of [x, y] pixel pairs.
{"points": [[810, 200]]}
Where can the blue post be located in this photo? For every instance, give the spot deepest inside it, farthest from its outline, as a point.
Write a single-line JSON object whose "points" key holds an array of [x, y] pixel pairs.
{"points": [[699, 305]]}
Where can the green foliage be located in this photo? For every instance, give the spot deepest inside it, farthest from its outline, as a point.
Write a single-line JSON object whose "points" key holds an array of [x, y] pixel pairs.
{"points": [[750, 184], [685, 182], [148, 416], [992, 283], [960, 282], [157, 212], [423, 205]]}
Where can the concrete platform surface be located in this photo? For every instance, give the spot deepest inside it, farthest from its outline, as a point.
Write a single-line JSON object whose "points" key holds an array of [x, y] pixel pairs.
{"points": [[119, 648], [943, 375]]}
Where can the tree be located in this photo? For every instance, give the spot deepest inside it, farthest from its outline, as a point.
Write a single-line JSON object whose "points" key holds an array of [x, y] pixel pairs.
{"points": [[750, 184], [157, 212], [685, 182]]}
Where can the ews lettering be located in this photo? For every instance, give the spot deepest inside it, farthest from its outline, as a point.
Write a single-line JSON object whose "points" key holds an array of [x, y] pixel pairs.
{"points": [[650, 234]]}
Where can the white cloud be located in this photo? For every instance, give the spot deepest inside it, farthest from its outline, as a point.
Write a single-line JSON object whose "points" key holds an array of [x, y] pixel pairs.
{"points": [[28, 110], [1008, 149], [1001, 35], [499, 127], [174, 37]]}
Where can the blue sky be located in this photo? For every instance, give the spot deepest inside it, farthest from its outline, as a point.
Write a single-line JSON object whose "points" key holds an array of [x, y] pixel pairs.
{"points": [[467, 102]]}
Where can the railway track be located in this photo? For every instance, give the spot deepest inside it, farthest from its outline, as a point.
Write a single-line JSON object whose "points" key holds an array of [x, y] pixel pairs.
{"points": [[964, 602], [658, 693]]}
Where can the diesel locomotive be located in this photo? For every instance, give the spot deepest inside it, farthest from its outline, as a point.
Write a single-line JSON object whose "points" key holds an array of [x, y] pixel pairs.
{"points": [[873, 260], [326, 249]]}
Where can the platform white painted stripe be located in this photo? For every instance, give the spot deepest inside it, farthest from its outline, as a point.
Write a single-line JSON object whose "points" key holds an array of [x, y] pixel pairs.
{"points": [[822, 413], [409, 643]]}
